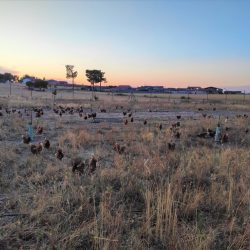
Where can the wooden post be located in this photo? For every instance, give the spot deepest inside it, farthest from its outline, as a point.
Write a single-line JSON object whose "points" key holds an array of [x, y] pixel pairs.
{"points": [[244, 97], [10, 88], [150, 101], [31, 118]]}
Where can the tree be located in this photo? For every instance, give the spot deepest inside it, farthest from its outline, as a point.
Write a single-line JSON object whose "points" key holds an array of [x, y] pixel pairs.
{"points": [[95, 76], [41, 84], [101, 78], [70, 73], [6, 77]]}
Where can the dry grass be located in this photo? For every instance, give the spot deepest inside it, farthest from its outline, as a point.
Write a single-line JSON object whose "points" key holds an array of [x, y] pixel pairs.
{"points": [[149, 197]]}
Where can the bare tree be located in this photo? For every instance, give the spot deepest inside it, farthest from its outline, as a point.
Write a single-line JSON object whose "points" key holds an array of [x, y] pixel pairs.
{"points": [[70, 73]]}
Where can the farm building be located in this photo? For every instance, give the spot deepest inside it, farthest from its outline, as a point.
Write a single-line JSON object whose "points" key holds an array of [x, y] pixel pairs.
{"points": [[158, 89], [196, 90], [232, 92], [123, 88], [55, 82], [213, 90], [28, 79]]}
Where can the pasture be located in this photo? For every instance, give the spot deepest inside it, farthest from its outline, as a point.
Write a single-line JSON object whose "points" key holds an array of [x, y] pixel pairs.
{"points": [[138, 171]]}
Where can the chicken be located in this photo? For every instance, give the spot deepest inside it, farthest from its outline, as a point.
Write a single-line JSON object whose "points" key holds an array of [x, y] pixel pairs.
{"points": [[126, 122], [56, 111], [26, 139], [124, 113], [178, 117], [59, 154], [210, 132], [7, 111], [92, 165], [224, 138], [119, 149], [171, 146], [46, 144], [132, 119], [202, 135], [78, 165], [145, 122], [39, 130], [92, 115], [36, 149], [160, 127], [177, 135], [1, 114]]}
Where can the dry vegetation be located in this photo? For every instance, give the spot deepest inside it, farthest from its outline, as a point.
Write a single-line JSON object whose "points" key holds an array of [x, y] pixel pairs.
{"points": [[150, 189]]}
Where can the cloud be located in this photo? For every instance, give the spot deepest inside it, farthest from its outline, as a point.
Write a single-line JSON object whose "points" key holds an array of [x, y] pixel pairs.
{"points": [[6, 70]]}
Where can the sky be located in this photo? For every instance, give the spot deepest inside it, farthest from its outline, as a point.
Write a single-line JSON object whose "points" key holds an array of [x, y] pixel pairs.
{"points": [[135, 42]]}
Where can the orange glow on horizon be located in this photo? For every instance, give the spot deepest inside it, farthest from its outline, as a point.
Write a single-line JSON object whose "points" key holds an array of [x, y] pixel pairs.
{"points": [[183, 74]]}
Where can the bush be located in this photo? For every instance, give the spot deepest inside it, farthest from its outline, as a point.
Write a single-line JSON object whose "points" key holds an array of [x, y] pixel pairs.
{"points": [[41, 84]]}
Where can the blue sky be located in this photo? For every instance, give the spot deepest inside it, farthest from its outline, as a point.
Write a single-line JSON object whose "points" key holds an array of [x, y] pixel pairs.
{"points": [[171, 43]]}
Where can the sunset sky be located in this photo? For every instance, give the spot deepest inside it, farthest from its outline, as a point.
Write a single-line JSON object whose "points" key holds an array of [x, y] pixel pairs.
{"points": [[136, 42]]}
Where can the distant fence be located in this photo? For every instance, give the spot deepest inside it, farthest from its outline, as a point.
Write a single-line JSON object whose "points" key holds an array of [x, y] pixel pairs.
{"points": [[18, 92]]}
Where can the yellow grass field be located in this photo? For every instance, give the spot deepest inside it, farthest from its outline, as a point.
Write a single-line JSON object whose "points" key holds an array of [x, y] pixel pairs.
{"points": [[160, 180]]}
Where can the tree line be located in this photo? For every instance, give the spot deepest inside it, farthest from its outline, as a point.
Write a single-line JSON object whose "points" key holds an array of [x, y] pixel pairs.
{"points": [[8, 77], [94, 76]]}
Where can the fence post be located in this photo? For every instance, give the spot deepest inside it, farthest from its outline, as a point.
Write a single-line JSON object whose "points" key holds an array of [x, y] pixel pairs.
{"points": [[10, 87]]}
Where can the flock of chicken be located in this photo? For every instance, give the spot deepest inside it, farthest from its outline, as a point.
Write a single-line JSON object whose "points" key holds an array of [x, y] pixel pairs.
{"points": [[80, 166]]}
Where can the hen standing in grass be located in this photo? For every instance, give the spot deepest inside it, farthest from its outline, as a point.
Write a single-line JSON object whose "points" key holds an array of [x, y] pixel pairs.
{"points": [[92, 165], [39, 130], [59, 154], [36, 149], [46, 144], [26, 139]]}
